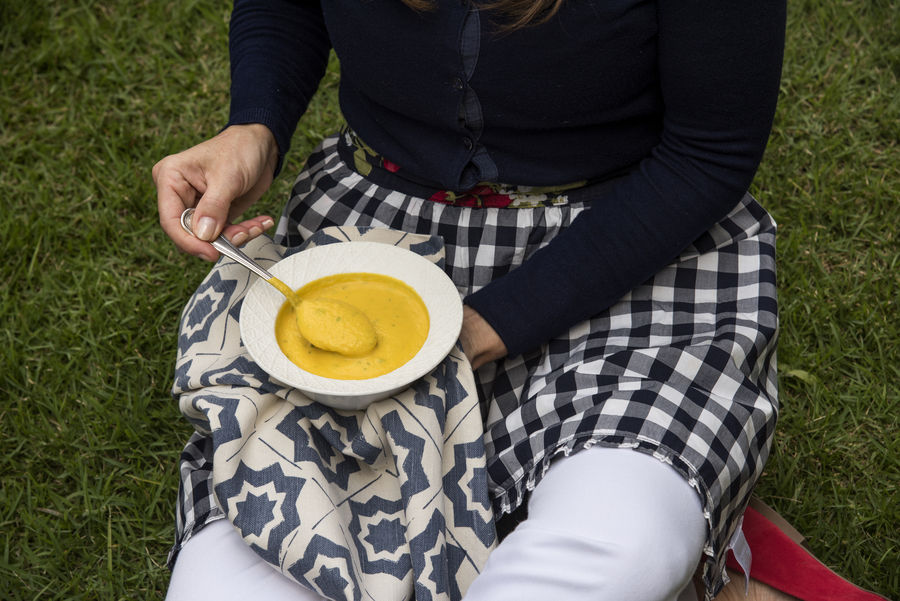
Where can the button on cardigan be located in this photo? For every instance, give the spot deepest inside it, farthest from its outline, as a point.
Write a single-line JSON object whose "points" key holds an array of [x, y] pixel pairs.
{"points": [[679, 95]]}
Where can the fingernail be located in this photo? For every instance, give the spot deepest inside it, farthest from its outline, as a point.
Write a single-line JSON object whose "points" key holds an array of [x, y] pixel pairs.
{"points": [[239, 238], [255, 231], [206, 228], [267, 224]]}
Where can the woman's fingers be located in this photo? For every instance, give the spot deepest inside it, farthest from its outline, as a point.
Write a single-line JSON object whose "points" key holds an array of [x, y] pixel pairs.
{"points": [[175, 194], [241, 233]]}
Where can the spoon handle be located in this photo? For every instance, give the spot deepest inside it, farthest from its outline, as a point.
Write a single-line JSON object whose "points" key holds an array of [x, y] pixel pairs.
{"points": [[225, 247]]}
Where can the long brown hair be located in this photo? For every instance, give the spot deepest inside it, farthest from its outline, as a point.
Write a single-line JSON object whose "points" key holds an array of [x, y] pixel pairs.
{"points": [[515, 13]]}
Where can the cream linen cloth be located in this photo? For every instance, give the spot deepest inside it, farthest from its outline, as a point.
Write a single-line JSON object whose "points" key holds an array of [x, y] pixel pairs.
{"points": [[386, 504]]}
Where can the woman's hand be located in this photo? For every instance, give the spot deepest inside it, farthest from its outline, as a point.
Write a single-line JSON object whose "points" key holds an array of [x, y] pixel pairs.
{"points": [[221, 177], [479, 340]]}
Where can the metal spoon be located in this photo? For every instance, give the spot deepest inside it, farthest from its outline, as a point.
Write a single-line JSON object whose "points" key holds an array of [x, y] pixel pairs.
{"points": [[228, 249], [317, 319]]}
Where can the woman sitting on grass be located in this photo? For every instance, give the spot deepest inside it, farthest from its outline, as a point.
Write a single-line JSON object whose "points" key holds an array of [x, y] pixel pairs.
{"points": [[587, 165]]}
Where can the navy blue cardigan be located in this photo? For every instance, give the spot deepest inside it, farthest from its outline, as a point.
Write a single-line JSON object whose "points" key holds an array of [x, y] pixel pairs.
{"points": [[679, 94]]}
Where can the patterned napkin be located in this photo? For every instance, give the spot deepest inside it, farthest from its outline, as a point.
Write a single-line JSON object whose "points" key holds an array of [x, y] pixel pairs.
{"points": [[386, 504]]}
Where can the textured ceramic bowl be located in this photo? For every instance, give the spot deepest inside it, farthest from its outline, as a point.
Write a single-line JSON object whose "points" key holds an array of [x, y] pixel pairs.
{"points": [[441, 298]]}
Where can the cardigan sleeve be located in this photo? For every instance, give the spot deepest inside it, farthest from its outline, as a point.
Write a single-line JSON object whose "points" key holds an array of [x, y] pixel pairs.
{"points": [[279, 52], [719, 71]]}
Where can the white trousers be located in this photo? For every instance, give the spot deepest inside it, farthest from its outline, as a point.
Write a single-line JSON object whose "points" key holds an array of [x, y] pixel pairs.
{"points": [[603, 525]]}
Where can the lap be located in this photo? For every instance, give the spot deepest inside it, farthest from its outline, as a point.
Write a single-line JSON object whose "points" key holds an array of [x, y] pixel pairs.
{"points": [[603, 524], [704, 400]]}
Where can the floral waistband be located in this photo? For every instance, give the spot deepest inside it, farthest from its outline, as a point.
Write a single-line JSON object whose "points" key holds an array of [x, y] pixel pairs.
{"points": [[368, 163]]}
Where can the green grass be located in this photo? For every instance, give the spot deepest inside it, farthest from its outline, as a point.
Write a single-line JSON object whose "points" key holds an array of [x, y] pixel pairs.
{"points": [[92, 94], [831, 178]]}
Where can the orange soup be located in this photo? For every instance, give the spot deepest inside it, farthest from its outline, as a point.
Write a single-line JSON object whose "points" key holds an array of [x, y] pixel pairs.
{"points": [[395, 309]]}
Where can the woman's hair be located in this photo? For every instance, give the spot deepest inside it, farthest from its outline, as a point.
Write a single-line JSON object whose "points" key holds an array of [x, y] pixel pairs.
{"points": [[515, 13]]}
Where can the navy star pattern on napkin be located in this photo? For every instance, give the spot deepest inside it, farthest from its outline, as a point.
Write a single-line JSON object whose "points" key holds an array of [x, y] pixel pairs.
{"points": [[246, 514], [379, 504]]}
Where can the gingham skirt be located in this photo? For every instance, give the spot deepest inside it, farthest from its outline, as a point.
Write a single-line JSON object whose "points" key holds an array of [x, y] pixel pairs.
{"points": [[683, 367]]}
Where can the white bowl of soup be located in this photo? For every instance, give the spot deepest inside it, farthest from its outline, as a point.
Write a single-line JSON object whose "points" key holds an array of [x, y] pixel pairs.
{"points": [[413, 304]]}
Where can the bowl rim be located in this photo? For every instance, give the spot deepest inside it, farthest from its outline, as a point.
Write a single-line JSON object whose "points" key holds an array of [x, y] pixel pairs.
{"points": [[433, 285]]}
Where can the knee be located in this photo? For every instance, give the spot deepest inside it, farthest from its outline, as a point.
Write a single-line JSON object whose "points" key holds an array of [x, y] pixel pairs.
{"points": [[652, 556], [636, 509], [584, 566]]}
